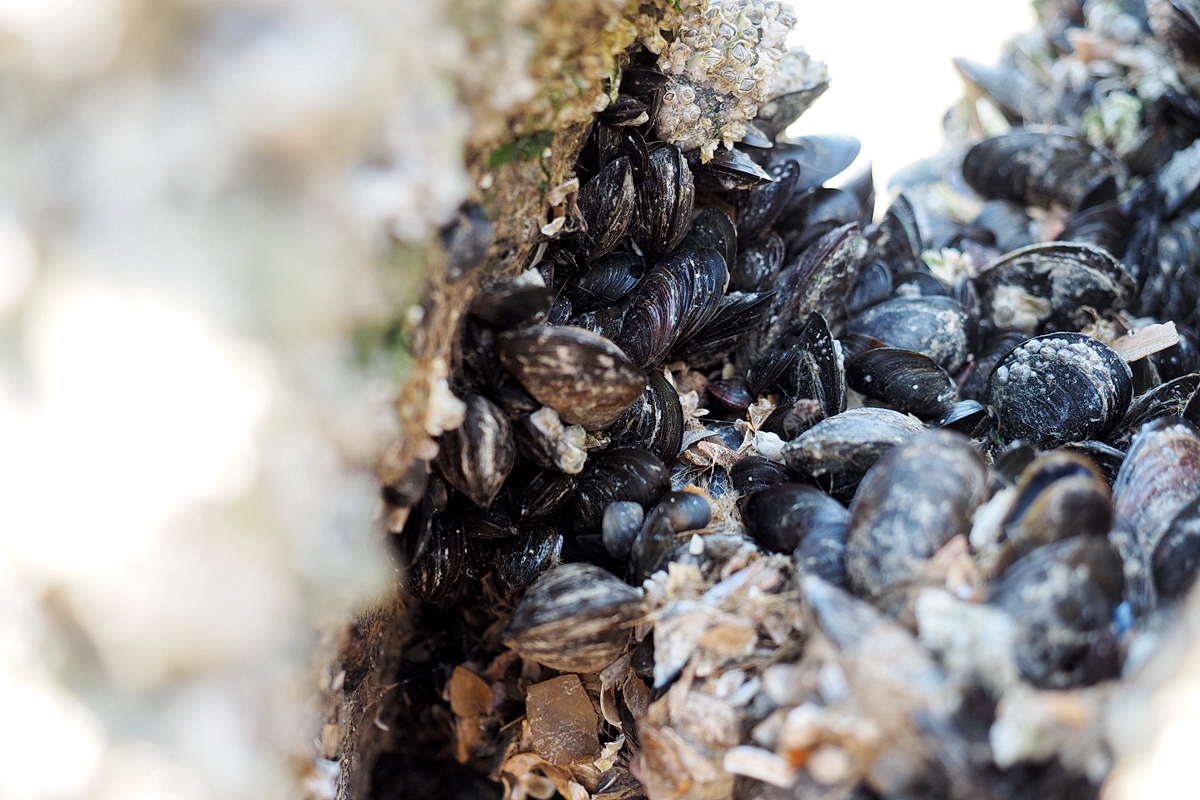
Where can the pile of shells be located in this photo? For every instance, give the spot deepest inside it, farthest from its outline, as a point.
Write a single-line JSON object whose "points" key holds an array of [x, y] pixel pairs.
{"points": [[753, 496]]}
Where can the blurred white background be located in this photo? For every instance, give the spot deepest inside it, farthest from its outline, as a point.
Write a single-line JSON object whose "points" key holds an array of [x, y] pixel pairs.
{"points": [[192, 201]]}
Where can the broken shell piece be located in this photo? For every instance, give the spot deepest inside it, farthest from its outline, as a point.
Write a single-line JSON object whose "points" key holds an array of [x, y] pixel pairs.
{"points": [[763, 765], [562, 722]]}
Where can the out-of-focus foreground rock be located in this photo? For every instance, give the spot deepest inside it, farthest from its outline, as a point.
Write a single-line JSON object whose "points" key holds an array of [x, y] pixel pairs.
{"points": [[212, 220]]}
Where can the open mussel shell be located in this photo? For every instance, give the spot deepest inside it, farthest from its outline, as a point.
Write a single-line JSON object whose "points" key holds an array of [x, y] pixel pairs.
{"points": [[665, 195], [1059, 495], [904, 380], [1051, 286], [624, 473], [795, 518], [673, 302], [610, 278], [1038, 168], [1062, 597], [586, 378], [477, 456], [835, 453], [607, 204], [912, 501], [654, 422], [1059, 388], [935, 326], [574, 618]]}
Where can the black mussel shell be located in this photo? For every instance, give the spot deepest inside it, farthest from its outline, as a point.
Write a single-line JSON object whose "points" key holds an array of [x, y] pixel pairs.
{"points": [[560, 312], [730, 395], [811, 214], [780, 517], [973, 382], [835, 453], [778, 112], [907, 381], [712, 228], [476, 457], [758, 208], [874, 285], [429, 572], [495, 522], [519, 560], [1018, 96], [673, 302], [790, 419], [816, 371], [616, 474], [1169, 399], [1011, 462], [818, 280], [675, 513], [1182, 358], [626, 110], [1160, 475], [935, 326], [1059, 495], [820, 156], [912, 501], [640, 80], [1059, 388], [543, 439], [610, 278], [756, 266], [736, 316], [654, 422], [1008, 222], [665, 194], [919, 284], [574, 618], [1050, 286], [607, 204], [1106, 457], [1060, 596], [1039, 168], [968, 417], [755, 473], [545, 494], [1177, 556], [466, 241], [619, 527], [605, 322], [513, 304], [727, 170], [1106, 226], [896, 240], [586, 378]]}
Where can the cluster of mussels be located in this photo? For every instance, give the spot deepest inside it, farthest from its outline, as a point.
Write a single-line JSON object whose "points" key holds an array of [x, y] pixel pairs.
{"points": [[771, 501]]}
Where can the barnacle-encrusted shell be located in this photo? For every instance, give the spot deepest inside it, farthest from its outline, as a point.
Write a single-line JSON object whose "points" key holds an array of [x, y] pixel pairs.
{"points": [[721, 67]]}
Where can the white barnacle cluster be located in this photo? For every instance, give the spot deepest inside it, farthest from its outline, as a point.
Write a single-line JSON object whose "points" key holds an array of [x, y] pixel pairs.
{"points": [[721, 65]]}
